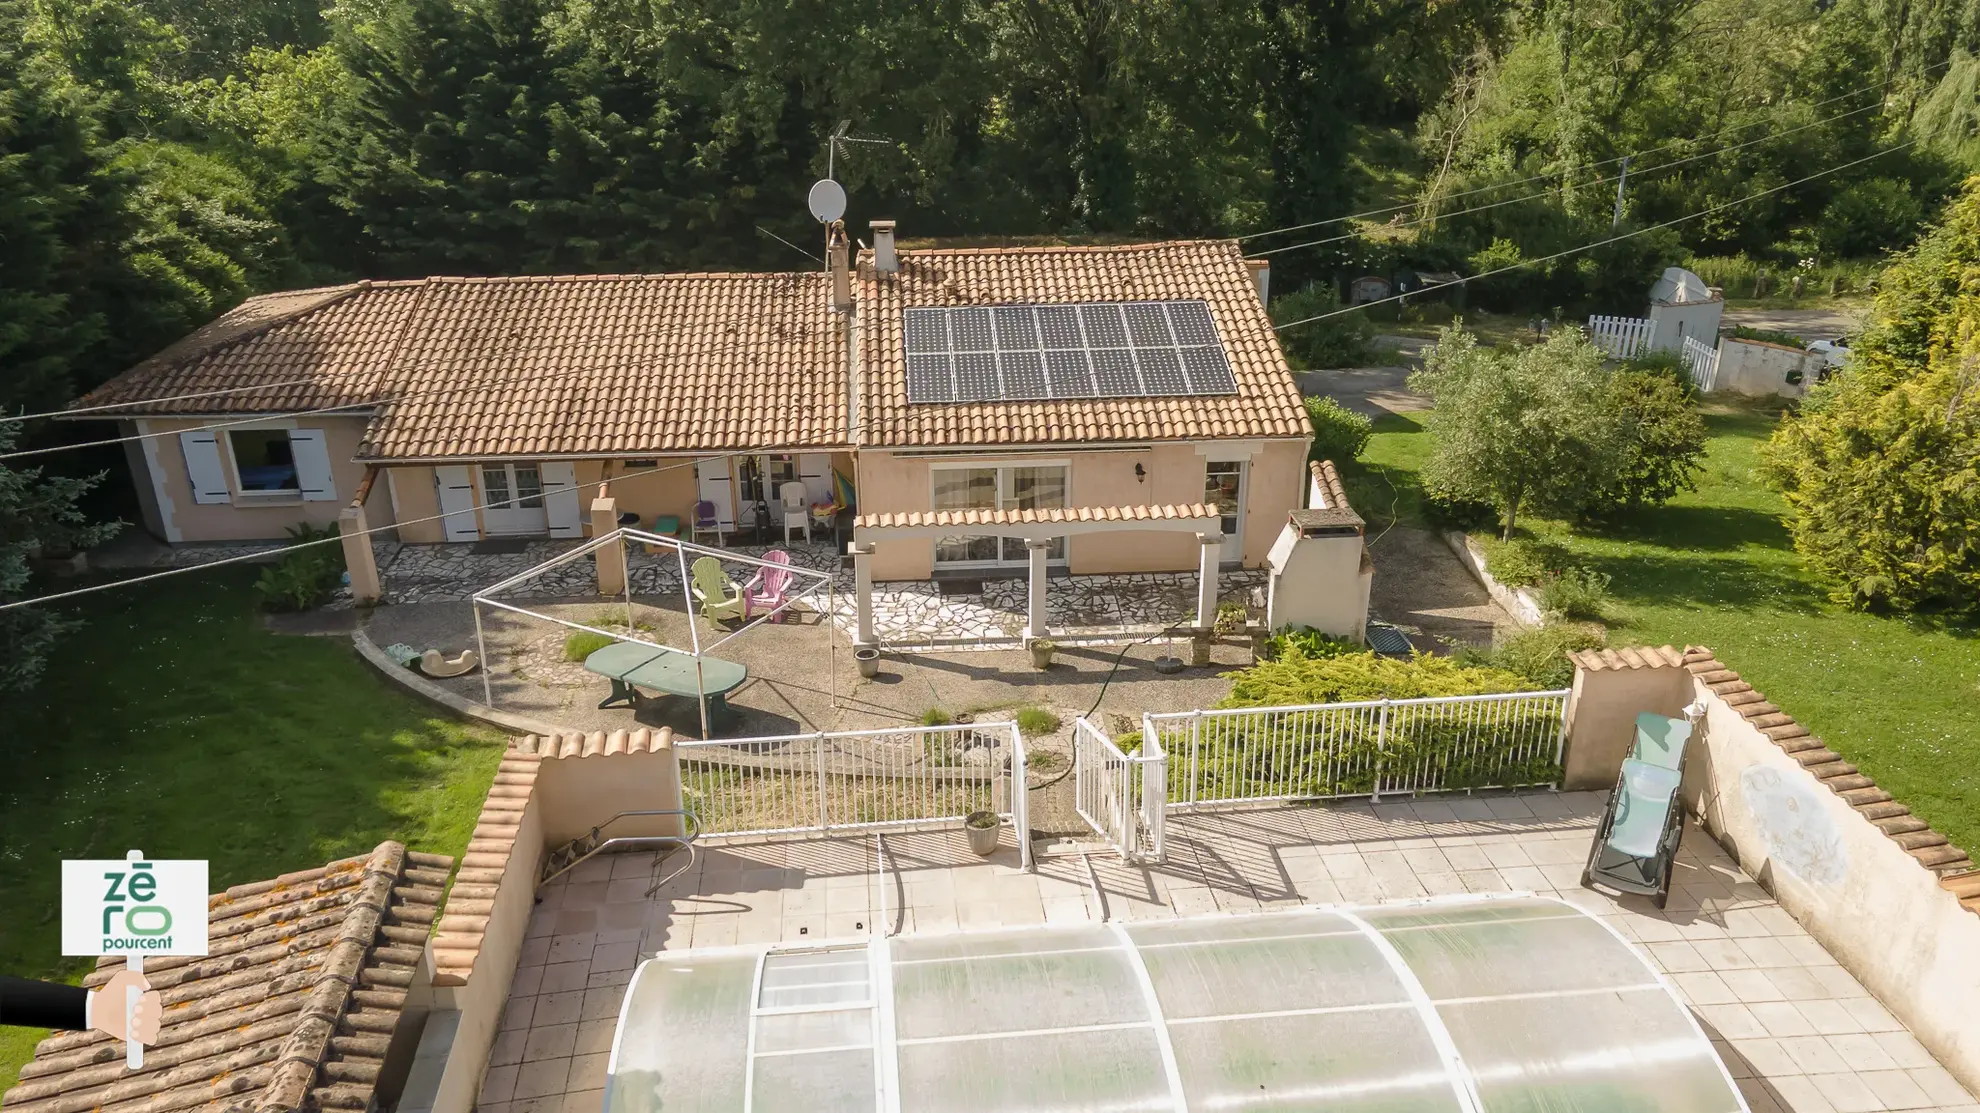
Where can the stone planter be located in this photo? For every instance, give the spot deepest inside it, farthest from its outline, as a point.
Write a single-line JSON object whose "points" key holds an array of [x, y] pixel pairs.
{"points": [[1041, 654], [868, 661], [983, 829]]}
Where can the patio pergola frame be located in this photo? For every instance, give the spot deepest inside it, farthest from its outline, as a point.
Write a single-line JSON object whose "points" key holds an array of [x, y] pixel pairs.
{"points": [[619, 537], [1038, 527]]}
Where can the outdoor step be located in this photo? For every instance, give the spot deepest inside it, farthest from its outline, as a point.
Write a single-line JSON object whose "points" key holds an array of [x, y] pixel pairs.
{"points": [[1919, 840], [1936, 856], [1886, 810], [1860, 796], [1901, 824], [1831, 769], [1850, 782], [1965, 888]]}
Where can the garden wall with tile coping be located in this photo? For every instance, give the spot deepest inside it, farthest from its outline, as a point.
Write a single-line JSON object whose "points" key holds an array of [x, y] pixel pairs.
{"points": [[1887, 896], [1515, 601], [548, 790]]}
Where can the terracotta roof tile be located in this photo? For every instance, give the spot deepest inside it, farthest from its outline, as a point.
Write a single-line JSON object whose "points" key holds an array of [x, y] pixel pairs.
{"points": [[293, 1007], [987, 517], [1929, 848], [1267, 402]]}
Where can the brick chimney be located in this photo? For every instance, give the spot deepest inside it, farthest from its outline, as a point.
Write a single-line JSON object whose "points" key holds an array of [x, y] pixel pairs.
{"points": [[836, 251], [1261, 277], [885, 261]]}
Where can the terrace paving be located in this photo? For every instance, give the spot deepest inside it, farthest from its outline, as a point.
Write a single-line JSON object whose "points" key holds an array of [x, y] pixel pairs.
{"points": [[1798, 1032]]}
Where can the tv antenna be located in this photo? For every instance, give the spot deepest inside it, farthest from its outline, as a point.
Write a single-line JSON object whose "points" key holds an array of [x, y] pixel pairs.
{"points": [[838, 137]]}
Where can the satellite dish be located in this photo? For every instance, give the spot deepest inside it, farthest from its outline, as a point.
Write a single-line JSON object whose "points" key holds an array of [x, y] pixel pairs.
{"points": [[827, 200]]}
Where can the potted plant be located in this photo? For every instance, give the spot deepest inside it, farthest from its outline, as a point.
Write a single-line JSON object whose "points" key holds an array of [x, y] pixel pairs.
{"points": [[868, 660], [1041, 653], [983, 829]]}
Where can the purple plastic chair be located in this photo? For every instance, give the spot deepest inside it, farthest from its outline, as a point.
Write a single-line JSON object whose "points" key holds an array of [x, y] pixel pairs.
{"points": [[705, 521], [765, 591]]}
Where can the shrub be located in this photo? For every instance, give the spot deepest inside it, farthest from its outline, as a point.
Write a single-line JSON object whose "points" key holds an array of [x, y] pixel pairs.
{"points": [[1666, 363], [1304, 641], [1522, 560], [303, 578], [1663, 440], [936, 717], [1339, 434], [1340, 341], [584, 643], [1866, 217], [1540, 654], [1034, 720], [1456, 512], [1129, 742], [1766, 336], [1574, 593], [1361, 675]]}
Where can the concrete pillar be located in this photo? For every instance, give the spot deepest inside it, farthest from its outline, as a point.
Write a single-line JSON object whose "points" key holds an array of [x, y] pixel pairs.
{"points": [[611, 558], [1036, 548], [1611, 688], [1211, 555], [358, 557], [862, 554]]}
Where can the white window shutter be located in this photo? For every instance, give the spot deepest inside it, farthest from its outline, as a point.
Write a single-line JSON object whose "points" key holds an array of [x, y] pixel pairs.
{"points": [[560, 498], [815, 468], [312, 458], [712, 483], [456, 485], [209, 478]]}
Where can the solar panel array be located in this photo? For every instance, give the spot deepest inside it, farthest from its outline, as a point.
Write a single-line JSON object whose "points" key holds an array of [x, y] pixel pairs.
{"points": [[1014, 353]]}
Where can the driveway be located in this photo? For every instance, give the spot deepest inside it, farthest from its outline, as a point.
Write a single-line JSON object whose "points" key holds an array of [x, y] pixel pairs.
{"points": [[1372, 390], [1420, 586], [1809, 324]]}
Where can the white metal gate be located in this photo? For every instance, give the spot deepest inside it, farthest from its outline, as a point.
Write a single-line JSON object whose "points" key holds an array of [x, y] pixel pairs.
{"points": [[1120, 794], [1370, 749], [1702, 360], [901, 777]]}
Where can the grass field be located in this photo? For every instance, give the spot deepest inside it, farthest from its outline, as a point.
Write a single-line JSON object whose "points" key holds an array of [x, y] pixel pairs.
{"points": [[1900, 698], [173, 723]]}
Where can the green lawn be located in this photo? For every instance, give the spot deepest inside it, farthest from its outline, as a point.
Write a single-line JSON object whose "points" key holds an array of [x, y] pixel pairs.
{"points": [[173, 723], [1900, 698]]}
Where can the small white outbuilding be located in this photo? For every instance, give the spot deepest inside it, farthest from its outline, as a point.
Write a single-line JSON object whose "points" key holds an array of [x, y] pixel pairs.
{"points": [[1319, 566]]}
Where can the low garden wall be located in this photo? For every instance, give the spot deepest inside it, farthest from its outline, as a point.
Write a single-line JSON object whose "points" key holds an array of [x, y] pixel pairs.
{"points": [[1515, 601]]}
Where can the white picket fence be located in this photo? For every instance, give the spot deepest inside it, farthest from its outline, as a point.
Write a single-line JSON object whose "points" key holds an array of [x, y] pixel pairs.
{"points": [[832, 781], [1620, 337], [1120, 795], [1702, 360]]}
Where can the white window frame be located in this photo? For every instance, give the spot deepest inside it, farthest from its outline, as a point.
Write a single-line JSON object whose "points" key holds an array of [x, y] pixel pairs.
{"points": [[240, 492], [1002, 468]]}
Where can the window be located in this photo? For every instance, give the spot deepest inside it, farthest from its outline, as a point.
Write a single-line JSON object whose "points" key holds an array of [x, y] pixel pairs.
{"points": [[1003, 488], [512, 486], [265, 461]]}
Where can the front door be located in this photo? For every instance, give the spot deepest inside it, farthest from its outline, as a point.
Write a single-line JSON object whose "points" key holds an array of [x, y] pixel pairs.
{"points": [[512, 499], [1223, 488]]}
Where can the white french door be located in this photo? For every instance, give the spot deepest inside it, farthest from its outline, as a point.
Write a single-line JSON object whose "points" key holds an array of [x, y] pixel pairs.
{"points": [[512, 499], [1008, 488], [1223, 488]]}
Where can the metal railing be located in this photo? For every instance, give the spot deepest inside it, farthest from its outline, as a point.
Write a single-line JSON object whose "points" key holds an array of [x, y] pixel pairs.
{"points": [[1702, 360], [1121, 795], [1370, 749], [1620, 337], [899, 777]]}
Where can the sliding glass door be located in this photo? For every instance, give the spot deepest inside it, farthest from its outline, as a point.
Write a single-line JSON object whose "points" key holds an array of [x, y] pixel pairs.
{"points": [[1009, 487]]}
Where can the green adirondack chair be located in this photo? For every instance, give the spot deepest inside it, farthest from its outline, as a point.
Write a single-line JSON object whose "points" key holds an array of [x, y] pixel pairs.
{"points": [[721, 600]]}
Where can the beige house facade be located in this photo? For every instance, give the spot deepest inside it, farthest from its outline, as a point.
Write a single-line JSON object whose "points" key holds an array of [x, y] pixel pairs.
{"points": [[457, 410]]}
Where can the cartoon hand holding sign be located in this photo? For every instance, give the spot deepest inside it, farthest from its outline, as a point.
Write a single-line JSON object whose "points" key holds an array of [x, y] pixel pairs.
{"points": [[132, 908]]}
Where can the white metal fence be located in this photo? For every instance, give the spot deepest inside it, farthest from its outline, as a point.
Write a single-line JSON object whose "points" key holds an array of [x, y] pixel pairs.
{"points": [[1620, 337], [1360, 749], [1121, 795], [856, 780], [1702, 360]]}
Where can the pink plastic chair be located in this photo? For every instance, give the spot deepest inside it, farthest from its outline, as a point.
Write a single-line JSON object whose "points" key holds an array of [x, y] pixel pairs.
{"points": [[765, 591]]}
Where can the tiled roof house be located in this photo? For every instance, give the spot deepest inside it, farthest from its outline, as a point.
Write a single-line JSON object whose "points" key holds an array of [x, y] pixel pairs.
{"points": [[299, 1004], [1147, 375]]}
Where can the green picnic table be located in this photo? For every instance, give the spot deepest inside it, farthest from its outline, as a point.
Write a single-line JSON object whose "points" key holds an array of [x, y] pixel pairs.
{"points": [[630, 665]]}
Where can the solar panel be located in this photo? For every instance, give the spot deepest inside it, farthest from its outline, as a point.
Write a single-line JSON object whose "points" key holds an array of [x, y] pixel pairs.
{"points": [[1090, 349]]}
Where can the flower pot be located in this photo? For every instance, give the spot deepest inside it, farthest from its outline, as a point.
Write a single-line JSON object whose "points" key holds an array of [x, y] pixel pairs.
{"points": [[868, 661], [983, 830], [1041, 654]]}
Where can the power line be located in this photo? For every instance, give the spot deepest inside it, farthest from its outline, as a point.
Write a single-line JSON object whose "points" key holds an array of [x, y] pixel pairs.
{"points": [[336, 538], [1605, 162], [1612, 239], [1591, 182], [73, 410], [346, 407]]}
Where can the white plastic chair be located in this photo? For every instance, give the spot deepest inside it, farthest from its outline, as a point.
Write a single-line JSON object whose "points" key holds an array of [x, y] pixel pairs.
{"points": [[797, 509]]}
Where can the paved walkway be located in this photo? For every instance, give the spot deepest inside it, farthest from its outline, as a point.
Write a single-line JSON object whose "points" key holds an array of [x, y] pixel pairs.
{"points": [[1797, 1030], [906, 615]]}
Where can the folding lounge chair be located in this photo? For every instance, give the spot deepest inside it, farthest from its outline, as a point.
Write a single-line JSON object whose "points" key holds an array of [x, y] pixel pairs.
{"points": [[1637, 843]]}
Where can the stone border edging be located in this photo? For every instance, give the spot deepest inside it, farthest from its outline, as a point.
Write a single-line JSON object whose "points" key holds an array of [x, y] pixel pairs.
{"points": [[427, 690], [1515, 601]]}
